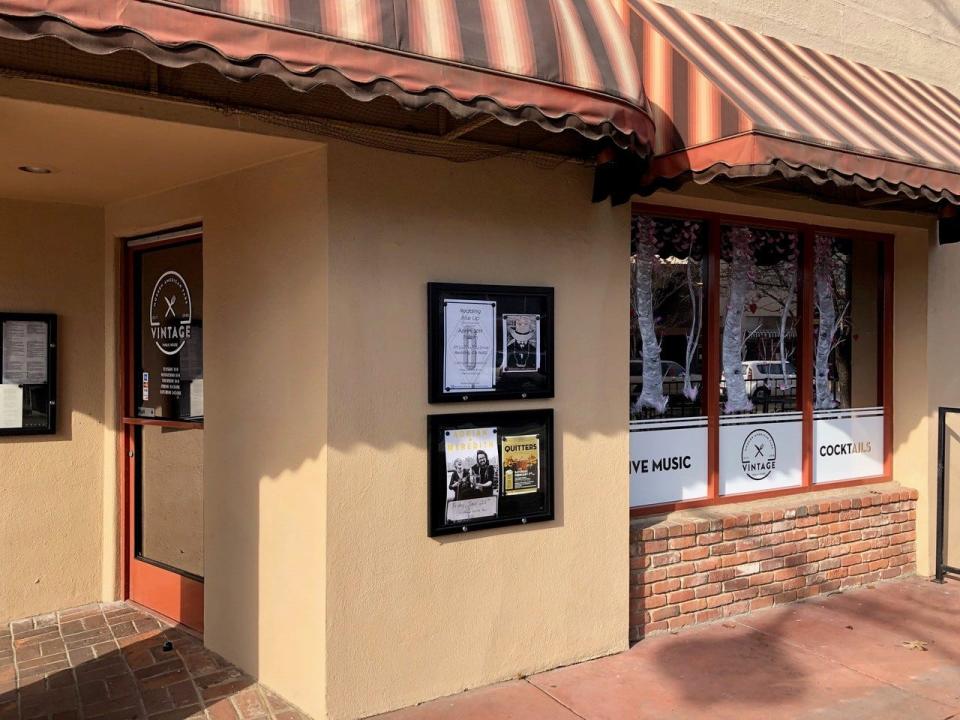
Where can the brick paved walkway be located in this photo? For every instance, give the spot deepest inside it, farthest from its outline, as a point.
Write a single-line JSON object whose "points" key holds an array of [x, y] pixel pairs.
{"points": [[115, 662]]}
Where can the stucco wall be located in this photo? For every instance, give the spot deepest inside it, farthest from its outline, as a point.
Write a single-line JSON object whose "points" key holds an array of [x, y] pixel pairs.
{"points": [[410, 617], [50, 486], [918, 38], [265, 399]]}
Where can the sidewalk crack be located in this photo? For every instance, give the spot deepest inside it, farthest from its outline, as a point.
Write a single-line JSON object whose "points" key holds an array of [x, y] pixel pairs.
{"points": [[557, 700]]}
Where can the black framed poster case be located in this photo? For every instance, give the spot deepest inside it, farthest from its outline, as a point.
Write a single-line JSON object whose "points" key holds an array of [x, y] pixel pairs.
{"points": [[522, 508], [40, 399], [512, 301]]}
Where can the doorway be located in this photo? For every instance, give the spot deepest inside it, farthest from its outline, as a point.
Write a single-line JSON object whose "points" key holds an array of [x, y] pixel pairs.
{"points": [[162, 418]]}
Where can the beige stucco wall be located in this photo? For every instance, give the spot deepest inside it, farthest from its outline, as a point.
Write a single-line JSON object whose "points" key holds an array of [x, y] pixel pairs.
{"points": [[410, 617], [266, 411], [50, 486], [917, 38]]}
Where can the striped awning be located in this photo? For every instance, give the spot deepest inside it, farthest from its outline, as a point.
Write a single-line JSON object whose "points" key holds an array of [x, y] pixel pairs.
{"points": [[561, 64], [729, 103]]}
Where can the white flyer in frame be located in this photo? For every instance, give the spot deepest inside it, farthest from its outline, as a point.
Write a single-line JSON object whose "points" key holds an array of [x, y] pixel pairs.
{"points": [[469, 345], [11, 406], [24, 352]]}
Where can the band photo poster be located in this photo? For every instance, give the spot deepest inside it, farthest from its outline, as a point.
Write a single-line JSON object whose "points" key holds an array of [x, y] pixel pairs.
{"points": [[490, 342], [490, 469]]}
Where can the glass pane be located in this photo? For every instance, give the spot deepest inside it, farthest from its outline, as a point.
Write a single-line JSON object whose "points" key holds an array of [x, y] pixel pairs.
{"points": [[759, 277], [666, 331], [761, 428], [668, 429], [848, 422], [169, 378], [170, 496]]}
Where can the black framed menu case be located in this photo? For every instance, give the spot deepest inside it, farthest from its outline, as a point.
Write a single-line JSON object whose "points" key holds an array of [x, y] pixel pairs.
{"points": [[28, 374]]}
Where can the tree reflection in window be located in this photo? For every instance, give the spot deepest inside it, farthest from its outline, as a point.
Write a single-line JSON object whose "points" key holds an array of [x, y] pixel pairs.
{"points": [[667, 302], [759, 271]]}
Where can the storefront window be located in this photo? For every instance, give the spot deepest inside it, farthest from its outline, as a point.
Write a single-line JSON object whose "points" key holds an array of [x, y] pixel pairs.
{"points": [[847, 419], [755, 358], [667, 407]]}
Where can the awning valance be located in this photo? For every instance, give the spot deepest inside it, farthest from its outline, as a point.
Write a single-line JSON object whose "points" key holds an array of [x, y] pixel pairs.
{"points": [[729, 103], [562, 64]]}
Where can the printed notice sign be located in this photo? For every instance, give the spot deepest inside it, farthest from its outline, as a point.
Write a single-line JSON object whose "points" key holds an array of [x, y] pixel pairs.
{"points": [[196, 398], [470, 341], [24, 352], [521, 464], [11, 406]]}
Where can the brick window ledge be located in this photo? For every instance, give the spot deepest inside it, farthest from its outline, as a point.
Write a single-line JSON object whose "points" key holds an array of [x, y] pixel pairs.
{"points": [[700, 565]]}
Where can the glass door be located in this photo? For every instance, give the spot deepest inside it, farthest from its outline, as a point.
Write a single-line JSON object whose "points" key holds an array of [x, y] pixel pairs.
{"points": [[163, 425]]}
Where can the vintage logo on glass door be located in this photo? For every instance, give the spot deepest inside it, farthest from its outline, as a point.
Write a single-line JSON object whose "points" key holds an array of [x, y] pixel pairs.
{"points": [[171, 313]]}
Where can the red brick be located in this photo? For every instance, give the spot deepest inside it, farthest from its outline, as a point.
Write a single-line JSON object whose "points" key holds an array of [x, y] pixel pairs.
{"points": [[746, 594], [695, 553], [771, 589], [693, 581], [707, 590], [682, 543], [666, 586], [724, 548], [709, 538], [719, 600], [692, 606], [664, 613], [680, 596], [705, 616], [761, 602], [762, 578]]}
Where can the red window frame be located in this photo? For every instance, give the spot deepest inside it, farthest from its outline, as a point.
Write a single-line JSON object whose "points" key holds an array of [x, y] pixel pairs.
{"points": [[711, 341]]}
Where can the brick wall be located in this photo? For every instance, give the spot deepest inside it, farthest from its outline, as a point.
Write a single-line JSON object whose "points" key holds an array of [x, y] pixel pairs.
{"points": [[686, 570]]}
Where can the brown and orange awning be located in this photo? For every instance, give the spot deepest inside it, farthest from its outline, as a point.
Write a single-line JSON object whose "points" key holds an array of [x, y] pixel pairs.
{"points": [[729, 103], [560, 64]]}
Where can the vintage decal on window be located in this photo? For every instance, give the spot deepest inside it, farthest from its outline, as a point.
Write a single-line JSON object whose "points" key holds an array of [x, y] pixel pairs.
{"points": [[171, 313]]}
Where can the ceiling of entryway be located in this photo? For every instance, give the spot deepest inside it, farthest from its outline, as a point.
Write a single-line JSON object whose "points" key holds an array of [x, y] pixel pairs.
{"points": [[99, 157]]}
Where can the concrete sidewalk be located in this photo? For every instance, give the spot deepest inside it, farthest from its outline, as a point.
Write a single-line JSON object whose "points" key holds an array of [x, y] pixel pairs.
{"points": [[890, 651]]}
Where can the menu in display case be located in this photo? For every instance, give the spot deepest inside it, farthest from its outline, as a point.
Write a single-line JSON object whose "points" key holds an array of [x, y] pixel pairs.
{"points": [[28, 345]]}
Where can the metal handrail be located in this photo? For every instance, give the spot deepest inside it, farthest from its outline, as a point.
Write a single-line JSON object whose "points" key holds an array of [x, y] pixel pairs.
{"points": [[942, 568]]}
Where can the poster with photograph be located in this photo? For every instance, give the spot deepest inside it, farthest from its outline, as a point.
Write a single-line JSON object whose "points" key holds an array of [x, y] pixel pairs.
{"points": [[489, 470], [521, 339], [473, 479], [521, 464], [470, 340]]}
